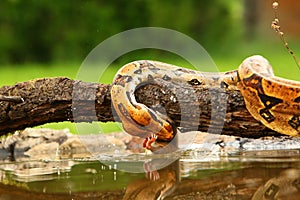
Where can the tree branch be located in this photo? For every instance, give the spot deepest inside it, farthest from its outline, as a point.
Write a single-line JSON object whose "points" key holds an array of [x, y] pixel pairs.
{"points": [[41, 101]]}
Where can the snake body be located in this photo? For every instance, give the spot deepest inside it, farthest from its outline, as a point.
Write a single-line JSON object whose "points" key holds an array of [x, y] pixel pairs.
{"points": [[271, 100]]}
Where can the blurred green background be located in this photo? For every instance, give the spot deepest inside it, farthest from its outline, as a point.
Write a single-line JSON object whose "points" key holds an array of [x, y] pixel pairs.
{"points": [[51, 38]]}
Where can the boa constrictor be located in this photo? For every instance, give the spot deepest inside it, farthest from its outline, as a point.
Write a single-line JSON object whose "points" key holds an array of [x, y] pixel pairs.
{"points": [[271, 100]]}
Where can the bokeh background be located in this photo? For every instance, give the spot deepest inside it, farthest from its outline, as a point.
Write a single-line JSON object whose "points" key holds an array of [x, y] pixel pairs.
{"points": [[51, 38]]}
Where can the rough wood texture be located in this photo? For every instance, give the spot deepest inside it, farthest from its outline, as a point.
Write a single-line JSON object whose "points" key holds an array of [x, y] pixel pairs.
{"points": [[52, 100]]}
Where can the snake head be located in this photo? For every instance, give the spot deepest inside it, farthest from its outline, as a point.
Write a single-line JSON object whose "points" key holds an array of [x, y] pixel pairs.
{"points": [[141, 121]]}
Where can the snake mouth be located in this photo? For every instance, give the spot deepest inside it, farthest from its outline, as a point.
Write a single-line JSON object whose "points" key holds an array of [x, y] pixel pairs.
{"points": [[169, 145]]}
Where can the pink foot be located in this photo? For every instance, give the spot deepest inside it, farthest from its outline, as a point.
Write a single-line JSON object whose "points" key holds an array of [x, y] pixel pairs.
{"points": [[149, 141]]}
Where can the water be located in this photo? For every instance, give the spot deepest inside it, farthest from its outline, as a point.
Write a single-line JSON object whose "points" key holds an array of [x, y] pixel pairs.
{"points": [[268, 174]]}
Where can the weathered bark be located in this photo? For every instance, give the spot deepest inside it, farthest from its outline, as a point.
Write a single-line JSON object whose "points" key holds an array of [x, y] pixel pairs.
{"points": [[47, 100]]}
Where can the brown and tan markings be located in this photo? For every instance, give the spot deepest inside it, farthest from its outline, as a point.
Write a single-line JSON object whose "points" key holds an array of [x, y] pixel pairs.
{"points": [[273, 101]]}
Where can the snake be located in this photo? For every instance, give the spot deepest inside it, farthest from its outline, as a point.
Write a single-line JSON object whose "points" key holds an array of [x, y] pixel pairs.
{"points": [[271, 100]]}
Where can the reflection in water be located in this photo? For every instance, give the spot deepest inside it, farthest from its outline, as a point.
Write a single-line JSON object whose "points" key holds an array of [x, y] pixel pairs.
{"points": [[253, 175], [284, 186], [156, 184]]}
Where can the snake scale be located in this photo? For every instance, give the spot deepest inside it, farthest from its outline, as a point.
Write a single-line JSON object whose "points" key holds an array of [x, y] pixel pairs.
{"points": [[273, 101]]}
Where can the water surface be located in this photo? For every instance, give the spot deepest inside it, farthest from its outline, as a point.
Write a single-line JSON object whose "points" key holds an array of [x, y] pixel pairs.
{"points": [[271, 174]]}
